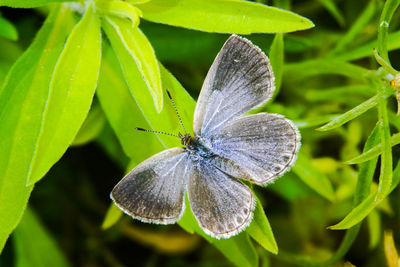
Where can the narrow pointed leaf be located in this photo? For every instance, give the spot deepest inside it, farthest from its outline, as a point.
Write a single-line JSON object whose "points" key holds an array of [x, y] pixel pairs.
{"points": [[22, 102], [366, 206], [261, 231], [366, 170], [71, 92], [375, 151], [276, 55], [312, 122], [112, 216], [352, 114], [34, 246], [225, 16], [386, 173], [141, 52]]}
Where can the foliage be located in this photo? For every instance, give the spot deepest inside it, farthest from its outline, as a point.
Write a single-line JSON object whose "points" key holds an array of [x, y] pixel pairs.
{"points": [[97, 69]]}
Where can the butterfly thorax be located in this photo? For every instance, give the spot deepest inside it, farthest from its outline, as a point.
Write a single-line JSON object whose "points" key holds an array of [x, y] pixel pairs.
{"points": [[198, 146]]}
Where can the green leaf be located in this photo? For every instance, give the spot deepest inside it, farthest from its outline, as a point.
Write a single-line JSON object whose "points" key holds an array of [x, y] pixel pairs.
{"points": [[120, 9], [224, 16], [22, 102], [71, 91], [313, 177], [367, 169], [7, 29], [122, 111], [261, 231], [34, 246], [136, 44], [357, 214], [374, 152], [91, 127], [238, 249], [276, 55], [112, 216], [386, 173], [30, 3], [353, 113], [366, 206], [166, 120], [388, 10], [312, 122]]}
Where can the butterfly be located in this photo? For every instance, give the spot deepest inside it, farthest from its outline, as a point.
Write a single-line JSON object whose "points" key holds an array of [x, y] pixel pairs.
{"points": [[227, 147]]}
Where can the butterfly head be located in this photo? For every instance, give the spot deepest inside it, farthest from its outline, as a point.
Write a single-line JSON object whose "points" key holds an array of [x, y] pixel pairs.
{"points": [[185, 138]]}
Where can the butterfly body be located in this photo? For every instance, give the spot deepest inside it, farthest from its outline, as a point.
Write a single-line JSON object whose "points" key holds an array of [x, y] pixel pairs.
{"points": [[227, 146], [198, 148]]}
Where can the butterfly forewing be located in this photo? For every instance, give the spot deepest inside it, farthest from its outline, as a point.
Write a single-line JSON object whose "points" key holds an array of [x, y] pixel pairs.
{"points": [[222, 205], [154, 191], [239, 80], [257, 147]]}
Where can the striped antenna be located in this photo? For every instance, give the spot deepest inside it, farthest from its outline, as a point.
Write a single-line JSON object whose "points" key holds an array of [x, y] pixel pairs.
{"points": [[176, 110], [151, 131]]}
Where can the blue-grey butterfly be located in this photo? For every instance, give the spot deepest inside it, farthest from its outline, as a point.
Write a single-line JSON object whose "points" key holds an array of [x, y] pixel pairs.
{"points": [[226, 146]]}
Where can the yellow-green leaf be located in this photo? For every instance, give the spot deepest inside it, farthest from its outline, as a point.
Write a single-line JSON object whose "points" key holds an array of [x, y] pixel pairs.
{"points": [[142, 53], [225, 16], [261, 231], [71, 92], [22, 102], [112, 216]]}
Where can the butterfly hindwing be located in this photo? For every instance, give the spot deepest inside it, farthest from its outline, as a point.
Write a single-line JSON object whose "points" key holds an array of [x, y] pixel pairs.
{"points": [[239, 80], [154, 191], [221, 204], [257, 147]]}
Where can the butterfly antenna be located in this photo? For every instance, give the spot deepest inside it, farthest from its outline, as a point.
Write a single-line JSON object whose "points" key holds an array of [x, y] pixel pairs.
{"points": [[157, 132], [176, 110]]}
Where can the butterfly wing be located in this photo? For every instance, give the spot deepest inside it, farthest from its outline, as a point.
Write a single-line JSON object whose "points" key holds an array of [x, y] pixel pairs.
{"points": [[154, 191], [239, 80], [257, 147], [222, 205]]}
